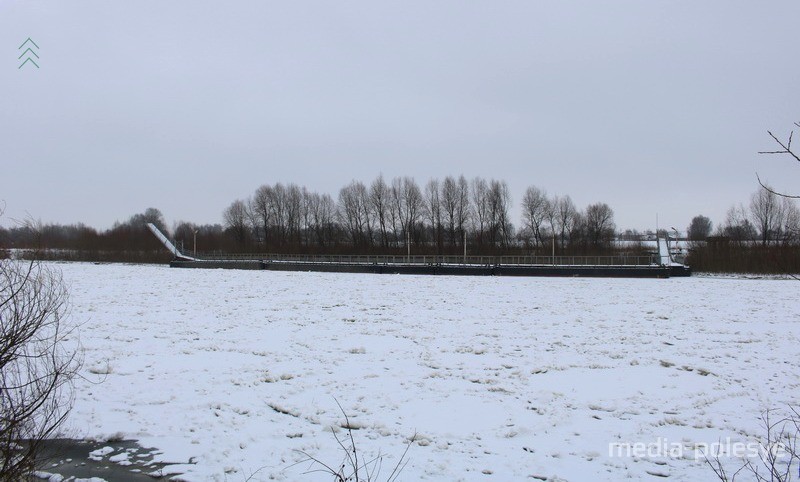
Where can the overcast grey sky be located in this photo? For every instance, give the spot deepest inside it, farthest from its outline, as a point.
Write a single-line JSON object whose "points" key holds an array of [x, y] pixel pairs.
{"points": [[650, 106]]}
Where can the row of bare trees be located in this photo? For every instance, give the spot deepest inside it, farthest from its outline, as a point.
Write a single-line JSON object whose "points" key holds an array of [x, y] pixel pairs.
{"points": [[557, 219], [760, 238], [381, 214], [439, 216], [769, 219], [390, 215]]}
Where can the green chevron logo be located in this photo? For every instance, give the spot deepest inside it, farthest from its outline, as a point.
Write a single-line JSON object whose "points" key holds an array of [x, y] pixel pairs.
{"points": [[29, 53]]}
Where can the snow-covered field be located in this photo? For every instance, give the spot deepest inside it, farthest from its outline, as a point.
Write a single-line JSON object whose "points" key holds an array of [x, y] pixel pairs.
{"points": [[500, 378]]}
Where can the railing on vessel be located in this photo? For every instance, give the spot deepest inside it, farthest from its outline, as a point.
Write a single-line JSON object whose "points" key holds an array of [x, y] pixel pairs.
{"points": [[427, 260]]}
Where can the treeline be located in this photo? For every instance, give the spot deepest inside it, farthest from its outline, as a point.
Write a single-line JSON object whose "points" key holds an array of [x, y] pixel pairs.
{"points": [[437, 218], [129, 241], [762, 237], [392, 216]]}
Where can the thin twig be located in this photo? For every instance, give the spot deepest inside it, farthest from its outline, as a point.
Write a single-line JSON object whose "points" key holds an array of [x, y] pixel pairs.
{"points": [[354, 468]]}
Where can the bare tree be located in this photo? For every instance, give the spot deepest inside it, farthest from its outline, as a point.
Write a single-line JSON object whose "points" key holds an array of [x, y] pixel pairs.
{"points": [[379, 205], [294, 205], [499, 202], [399, 222], [535, 207], [566, 213], [38, 362], [305, 216], [278, 207], [767, 213], [407, 204], [551, 217], [479, 191], [579, 232], [253, 221], [700, 228], [737, 225], [791, 227], [366, 213], [323, 211], [413, 198], [463, 207], [261, 212], [235, 217], [600, 225], [277, 213], [150, 215], [433, 211], [354, 212], [449, 203]]}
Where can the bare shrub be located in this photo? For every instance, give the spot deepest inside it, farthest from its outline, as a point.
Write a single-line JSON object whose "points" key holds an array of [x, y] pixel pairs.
{"points": [[777, 459], [36, 365], [355, 465]]}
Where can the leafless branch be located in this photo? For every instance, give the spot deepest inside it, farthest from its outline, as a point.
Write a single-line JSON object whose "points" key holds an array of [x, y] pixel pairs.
{"points": [[786, 148], [769, 189]]}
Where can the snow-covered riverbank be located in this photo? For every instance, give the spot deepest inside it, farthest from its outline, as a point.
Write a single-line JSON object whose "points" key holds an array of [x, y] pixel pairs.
{"points": [[500, 378]]}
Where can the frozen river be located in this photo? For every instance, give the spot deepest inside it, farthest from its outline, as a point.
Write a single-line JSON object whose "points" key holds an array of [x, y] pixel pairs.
{"points": [[499, 378]]}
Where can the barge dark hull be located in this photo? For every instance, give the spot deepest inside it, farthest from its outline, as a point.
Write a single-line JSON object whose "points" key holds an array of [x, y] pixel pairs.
{"points": [[442, 269]]}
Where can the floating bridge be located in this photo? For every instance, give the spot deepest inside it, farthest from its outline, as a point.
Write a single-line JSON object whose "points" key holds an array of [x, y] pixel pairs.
{"points": [[654, 266]]}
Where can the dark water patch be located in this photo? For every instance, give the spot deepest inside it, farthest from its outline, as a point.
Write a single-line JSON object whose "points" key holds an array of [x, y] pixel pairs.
{"points": [[124, 460]]}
